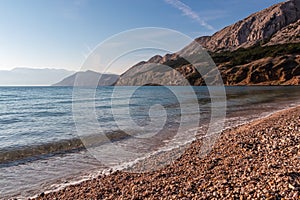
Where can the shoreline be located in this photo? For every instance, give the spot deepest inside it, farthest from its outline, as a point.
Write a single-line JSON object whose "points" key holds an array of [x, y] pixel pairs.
{"points": [[88, 188]]}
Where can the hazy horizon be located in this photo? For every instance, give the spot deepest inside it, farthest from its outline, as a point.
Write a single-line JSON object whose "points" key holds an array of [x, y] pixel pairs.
{"points": [[62, 34], [23, 76]]}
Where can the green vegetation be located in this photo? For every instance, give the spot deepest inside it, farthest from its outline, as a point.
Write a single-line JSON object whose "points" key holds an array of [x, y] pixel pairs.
{"points": [[244, 56]]}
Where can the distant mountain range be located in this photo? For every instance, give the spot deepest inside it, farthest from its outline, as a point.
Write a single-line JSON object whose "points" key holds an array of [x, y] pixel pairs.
{"points": [[262, 49], [32, 77], [88, 78], [54, 77]]}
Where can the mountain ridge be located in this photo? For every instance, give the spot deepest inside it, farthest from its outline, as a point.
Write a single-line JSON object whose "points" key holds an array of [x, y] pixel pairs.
{"points": [[88, 78], [23, 76], [253, 29], [261, 32]]}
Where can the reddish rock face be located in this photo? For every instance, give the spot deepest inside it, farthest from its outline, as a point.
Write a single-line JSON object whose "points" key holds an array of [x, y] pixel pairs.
{"points": [[276, 25], [257, 27], [282, 70], [289, 34]]}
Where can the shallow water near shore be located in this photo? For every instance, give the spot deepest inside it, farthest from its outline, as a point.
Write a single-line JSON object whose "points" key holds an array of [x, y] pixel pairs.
{"points": [[40, 149]]}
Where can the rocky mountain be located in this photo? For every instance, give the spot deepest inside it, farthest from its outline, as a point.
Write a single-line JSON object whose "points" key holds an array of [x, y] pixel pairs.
{"points": [[256, 28], [282, 70], [289, 34], [32, 77], [262, 49], [88, 78]]}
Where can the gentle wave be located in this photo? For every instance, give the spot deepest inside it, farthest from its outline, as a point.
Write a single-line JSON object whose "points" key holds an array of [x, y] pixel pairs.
{"points": [[10, 121], [35, 152], [16, 155], [49, 114]]}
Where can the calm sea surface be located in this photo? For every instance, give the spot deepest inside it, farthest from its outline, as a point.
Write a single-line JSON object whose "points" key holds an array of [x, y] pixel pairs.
{"points": [[40, 146]]}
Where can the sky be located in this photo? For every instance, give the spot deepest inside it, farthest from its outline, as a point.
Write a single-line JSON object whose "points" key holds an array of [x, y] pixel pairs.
{"points": [[62, 33]]}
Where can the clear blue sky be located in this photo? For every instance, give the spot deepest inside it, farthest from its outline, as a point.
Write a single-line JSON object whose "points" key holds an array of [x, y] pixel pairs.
{"points": [[61, 33]]}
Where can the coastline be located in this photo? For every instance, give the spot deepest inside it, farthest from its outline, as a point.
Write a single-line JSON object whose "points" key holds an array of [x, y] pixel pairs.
{"points": [[259, 159]]}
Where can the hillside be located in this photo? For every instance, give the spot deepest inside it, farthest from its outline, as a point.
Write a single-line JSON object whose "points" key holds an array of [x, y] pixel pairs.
{"points": [[260, 26], [88, 78], [262, 49], [270, 65], [289, 34]]}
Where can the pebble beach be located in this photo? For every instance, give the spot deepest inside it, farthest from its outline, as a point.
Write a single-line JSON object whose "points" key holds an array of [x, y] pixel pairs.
{"points": [[258, 160]]}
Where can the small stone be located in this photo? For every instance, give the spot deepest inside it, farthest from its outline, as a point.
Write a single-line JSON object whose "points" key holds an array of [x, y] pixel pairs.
{"points": [[291, 187]]}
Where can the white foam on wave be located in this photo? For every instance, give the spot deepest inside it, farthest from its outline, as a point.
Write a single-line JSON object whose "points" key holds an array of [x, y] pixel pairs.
{"points": [[231, 122]]}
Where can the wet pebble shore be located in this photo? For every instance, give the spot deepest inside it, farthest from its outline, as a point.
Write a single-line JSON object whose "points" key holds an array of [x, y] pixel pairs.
{"points": [[259, 160]]}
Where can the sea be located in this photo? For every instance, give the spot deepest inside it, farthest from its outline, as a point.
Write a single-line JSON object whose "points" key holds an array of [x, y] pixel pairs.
{"points": [[51, 137]]}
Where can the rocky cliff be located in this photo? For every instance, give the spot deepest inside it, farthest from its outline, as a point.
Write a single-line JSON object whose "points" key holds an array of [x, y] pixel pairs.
{"points": [[256, 28], [281, 70], [262, 49], [289, 34]]}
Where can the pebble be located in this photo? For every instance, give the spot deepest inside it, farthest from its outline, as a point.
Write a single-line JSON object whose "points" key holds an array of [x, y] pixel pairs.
{"points": [[254, 161]]}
